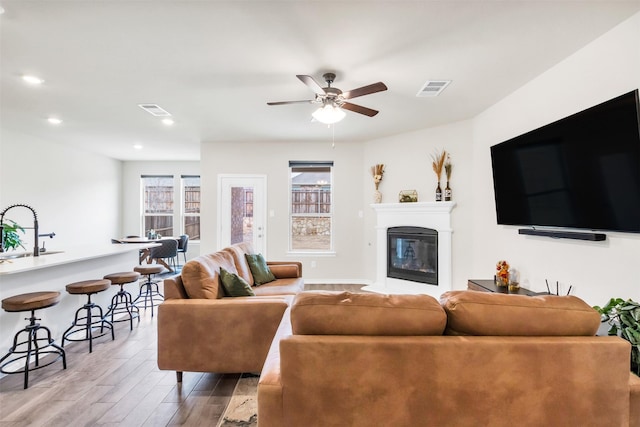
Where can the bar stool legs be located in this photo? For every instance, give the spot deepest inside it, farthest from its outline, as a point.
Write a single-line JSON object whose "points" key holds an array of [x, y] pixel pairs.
{"points": [[36, 344], [82, 328], [122, 302], [149, 291]]}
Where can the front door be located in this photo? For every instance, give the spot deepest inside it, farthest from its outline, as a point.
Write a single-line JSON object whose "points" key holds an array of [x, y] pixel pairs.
{"points": [[242, 210]]}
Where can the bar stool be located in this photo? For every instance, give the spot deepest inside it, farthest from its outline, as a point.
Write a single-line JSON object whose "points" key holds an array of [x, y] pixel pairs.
{"points": [[122, 302], [89, 321], [35, 349], [147, 292]]}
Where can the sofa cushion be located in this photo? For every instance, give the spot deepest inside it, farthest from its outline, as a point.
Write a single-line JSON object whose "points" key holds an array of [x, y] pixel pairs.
{"points": [[200, 276], [345, 313], [488, 313], [259, 269], [238, 252], [234, 285]]}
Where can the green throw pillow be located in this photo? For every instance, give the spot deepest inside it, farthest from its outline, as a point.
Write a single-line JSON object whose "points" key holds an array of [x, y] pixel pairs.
{"points": [[259, 269], [234, 285]]}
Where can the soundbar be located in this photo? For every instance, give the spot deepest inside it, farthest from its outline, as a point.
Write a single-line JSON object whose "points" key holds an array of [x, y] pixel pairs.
{"points": [[556, 234]]}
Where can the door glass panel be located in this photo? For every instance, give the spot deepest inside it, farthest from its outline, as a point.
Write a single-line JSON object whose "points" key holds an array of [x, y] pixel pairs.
{"points": [[241, 214]]}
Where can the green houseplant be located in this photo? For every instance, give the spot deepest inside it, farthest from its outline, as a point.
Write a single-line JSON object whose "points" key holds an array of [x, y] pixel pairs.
{"points": [[624, 318], [10, 237]]}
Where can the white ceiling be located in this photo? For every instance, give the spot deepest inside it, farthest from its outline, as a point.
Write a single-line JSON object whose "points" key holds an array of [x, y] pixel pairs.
{"points": [[214, 65]]}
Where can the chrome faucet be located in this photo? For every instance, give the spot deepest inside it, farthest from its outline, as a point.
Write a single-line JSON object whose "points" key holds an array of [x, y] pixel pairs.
{"points": [[36, 248]]}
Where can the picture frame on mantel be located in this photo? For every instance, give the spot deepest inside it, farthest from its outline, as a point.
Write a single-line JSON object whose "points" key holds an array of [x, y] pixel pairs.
{"points": [[408, 196]]}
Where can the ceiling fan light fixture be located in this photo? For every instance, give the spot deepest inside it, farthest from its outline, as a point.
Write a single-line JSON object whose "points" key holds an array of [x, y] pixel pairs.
{"points": [[329, 114]]}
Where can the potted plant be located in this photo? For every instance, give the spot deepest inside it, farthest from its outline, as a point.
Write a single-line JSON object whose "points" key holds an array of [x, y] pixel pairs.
{"points": [[624, 318], [10, 237]]}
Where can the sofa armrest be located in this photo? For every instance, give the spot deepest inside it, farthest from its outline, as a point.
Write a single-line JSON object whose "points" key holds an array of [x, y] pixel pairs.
{"points": [[634, 400], [174, 289], [285, 269], [217, 335], [270, 384]]}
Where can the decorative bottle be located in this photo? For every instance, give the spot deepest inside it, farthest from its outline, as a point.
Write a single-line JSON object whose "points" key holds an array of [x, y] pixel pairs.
{"points": [[447, 193], [438, 193]]}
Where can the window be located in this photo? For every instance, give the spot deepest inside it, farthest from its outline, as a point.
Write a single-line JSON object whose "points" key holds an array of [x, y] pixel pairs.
{"points": [[157, 199], [191, 206], [310, 207]]}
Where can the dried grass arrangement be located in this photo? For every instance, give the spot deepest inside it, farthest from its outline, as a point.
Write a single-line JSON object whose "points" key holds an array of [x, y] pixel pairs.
{"points": [[438, 162], [377, 171]]}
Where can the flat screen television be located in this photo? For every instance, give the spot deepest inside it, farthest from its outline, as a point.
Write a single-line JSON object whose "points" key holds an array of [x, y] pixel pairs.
{"points": [[580, 172]]}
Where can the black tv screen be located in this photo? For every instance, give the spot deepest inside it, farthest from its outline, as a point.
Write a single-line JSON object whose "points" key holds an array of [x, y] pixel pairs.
{"points": [[579, 172]]}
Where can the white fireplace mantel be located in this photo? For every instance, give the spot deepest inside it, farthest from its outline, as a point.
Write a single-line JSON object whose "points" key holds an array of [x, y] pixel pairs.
{"points": [[434, 215]]}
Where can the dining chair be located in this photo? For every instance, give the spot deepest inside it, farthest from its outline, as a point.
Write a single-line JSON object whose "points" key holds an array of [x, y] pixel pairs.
{"points": [[182, 246], [168, 249]]}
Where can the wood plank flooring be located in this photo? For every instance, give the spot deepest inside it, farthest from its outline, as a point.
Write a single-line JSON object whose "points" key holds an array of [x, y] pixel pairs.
{"points": [[119, 384]]}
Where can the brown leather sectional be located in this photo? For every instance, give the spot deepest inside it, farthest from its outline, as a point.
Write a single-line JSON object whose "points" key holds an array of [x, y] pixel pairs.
{"points": [[472, 359], [343, 359], [201, 330]]}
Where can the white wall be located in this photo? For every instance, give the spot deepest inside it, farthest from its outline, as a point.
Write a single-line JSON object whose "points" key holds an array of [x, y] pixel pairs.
{"points": [[272, 159], [131, 202], [607, 67], [408, 166], [75, 193]]}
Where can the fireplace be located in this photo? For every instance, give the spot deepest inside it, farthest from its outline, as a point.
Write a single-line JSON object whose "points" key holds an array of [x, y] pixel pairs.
{"points": [[412, 254], [436, 277]]}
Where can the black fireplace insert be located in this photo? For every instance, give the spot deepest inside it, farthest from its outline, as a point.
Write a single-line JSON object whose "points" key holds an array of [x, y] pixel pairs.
{"points": [[412, 254]]}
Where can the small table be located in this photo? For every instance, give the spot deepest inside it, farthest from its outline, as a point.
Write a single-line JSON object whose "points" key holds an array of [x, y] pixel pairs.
{"points": [[490, 286], [144, 253]]}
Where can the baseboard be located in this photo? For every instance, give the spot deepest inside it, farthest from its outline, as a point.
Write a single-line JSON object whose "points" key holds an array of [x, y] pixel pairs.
{"points": [[558, 234], [363, 282]]}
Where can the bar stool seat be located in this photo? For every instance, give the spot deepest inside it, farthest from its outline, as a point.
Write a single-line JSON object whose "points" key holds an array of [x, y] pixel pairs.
{"points": [[89, 322], [35, 346], [149, 292], [122, 302]]}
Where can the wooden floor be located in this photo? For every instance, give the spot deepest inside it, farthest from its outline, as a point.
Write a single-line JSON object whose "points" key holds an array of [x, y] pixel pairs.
{"points": [[119, 384]]}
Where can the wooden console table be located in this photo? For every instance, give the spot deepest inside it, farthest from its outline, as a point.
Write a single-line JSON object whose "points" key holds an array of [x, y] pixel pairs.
{"points": [[490, 286]]}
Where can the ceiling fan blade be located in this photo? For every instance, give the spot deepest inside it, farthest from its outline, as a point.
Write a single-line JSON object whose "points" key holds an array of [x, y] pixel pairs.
{"points": [[359, 109], [290, 102], [312, 83], [364, 90]]}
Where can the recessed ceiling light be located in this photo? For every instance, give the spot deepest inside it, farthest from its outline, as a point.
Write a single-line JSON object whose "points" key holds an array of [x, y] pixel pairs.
{"points": [[32, 80], [138, 146], [168, 122], [54, 120]]}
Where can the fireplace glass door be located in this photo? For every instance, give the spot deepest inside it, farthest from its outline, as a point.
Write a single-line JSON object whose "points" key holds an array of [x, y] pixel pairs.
{"points": [[412, 254]]}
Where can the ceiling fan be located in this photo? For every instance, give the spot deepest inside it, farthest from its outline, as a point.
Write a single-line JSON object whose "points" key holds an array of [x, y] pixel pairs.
{"points": [[332, 100]]}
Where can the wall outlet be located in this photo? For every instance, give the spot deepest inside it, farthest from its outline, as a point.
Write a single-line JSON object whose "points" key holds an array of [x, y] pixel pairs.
{"points": [[313, 264]]}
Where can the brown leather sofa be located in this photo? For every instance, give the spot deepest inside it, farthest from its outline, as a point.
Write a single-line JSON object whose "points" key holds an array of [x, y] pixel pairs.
{"points": [[201, 330], [472, 359]]}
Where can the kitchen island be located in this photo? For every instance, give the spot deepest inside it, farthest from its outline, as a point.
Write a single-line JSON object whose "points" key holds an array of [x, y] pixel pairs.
{"points": [[54, 270]]}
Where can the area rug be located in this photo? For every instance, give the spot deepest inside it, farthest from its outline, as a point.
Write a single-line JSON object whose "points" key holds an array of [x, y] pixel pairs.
{"points": [[242, 410]]}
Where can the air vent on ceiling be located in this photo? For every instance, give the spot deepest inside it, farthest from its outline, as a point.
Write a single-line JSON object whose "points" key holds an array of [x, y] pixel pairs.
{"points": [[154, 110], [433, 88]]}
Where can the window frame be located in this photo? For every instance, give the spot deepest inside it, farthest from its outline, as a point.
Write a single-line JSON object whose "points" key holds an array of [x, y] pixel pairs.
{"points": [[183, 206], [330, 215]]}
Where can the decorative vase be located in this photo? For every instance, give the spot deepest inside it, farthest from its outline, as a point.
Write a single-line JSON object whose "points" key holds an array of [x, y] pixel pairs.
{"points": [[514, 287], [377, 197], [502, 282], [447, 193], [438, 193]]}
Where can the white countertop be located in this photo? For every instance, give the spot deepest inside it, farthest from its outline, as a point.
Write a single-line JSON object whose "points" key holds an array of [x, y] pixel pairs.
{"points": [[75, 254]]}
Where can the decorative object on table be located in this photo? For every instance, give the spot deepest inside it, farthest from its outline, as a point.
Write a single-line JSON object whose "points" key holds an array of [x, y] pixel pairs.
{"points": [[624, 318], [408, 196], [514, 280], [438, 164], [377, 171], [10, 237], [447, 172], [502, 273]]}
